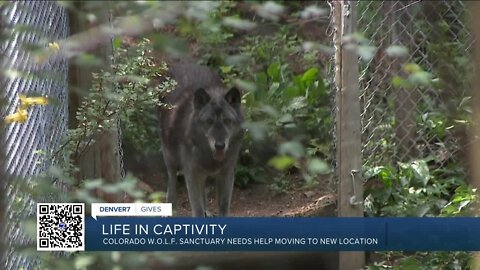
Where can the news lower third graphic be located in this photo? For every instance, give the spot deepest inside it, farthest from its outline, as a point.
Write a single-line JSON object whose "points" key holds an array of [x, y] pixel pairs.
{"points": [[150, 227]]}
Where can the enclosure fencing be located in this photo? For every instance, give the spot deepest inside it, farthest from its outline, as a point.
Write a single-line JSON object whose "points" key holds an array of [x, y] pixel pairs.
{"points": [[398, 122], [31, 24], [412, 87], [401, 123]]}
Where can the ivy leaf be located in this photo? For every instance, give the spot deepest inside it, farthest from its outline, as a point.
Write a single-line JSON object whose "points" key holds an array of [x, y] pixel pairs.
{"points": [[397, 51], [293, 148], [117, 43], [246, 85], [297, 103], [281, 162], [421, 78], [239, 23], [273, 71], [310, 76], [317, 166], [399, 82], [270, 10], [226, 69], [421, 171], [83, 261], [366, 52], [423, 210], [92, 184], [412, 68], [313, 11], [258, 130]]}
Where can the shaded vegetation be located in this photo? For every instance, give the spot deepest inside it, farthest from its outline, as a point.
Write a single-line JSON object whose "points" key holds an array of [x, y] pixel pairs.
{"points": [[271, 51]]}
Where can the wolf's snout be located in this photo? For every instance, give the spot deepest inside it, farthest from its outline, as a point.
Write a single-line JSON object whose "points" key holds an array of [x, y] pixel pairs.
{"points": [[219, 149], [219, 146]]}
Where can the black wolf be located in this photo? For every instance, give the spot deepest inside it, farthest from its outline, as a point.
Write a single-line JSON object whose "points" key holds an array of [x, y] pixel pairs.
{"points": [[201, 134]]}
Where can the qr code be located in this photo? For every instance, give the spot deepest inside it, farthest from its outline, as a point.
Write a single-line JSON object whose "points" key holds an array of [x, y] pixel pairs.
{"points": [[61, 226]]}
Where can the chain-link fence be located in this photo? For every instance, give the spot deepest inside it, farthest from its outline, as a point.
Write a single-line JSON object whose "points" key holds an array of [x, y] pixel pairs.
{"points": [[403, 107], [3, 176], [399, 122], [31, 24]]}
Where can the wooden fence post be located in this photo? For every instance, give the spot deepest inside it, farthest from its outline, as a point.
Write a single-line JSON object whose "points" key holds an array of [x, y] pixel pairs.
{"points": [[101, 159], [475, 132], [349, 156]]}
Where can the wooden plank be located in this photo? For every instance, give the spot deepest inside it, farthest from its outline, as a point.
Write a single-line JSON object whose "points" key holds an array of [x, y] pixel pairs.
{"points": [[475, 133], [349, 157]]}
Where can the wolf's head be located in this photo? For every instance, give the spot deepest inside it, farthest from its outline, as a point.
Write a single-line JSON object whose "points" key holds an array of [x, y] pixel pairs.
{"points": [[218, 117]]}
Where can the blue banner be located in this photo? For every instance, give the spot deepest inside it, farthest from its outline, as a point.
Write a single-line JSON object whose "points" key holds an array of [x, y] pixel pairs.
{"points": [[281, 234]]}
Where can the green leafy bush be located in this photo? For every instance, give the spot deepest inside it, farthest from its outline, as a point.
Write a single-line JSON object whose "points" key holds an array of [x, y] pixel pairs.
{"points": [[414, 189], [423, 261], [286, 110], [141, 83]]}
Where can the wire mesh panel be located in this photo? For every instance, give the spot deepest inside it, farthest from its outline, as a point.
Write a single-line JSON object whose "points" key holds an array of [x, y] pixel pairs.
{"points": [[32, 24], [402, 102]]}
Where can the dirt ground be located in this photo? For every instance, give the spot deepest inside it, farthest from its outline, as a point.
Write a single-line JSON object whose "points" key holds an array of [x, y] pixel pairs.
{"points": [[256, 200]]}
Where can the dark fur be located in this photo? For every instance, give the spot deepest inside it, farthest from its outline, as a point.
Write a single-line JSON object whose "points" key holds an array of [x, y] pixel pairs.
{"points": [[201, 135]]}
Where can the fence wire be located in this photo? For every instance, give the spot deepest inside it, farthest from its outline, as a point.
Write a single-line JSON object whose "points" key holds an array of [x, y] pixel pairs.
{"points": [[397, 124], [31, 24], [401, 123]]}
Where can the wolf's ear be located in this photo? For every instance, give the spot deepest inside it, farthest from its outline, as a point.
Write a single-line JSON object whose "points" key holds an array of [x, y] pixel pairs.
{"points": [[201, 98], [233, 97]]}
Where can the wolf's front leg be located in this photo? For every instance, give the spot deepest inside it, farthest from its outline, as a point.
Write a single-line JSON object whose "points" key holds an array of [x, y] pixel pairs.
{"points": [[196, 192], [172, 168], [171, 188], [224, 188]]}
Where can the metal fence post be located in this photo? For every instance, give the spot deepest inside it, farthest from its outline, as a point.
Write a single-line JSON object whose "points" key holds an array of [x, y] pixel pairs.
{"points": [[349, 159]]}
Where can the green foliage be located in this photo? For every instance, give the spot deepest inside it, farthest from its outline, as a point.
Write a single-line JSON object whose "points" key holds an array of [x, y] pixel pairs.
{"points": [[287, 103], [434, 184], [422, 261], [281, 184], [131, 90], [101, 260], [286, 99], [84, 192], [292, 110], [262, 51], [212, 32], [414, 189], [127, 93], [245, 175], [142, 83], [417, 77], [359, 44]]}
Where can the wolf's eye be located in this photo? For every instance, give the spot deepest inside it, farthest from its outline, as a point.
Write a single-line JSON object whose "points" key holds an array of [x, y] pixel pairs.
{"points": [[227, 121], [209, 121]]}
